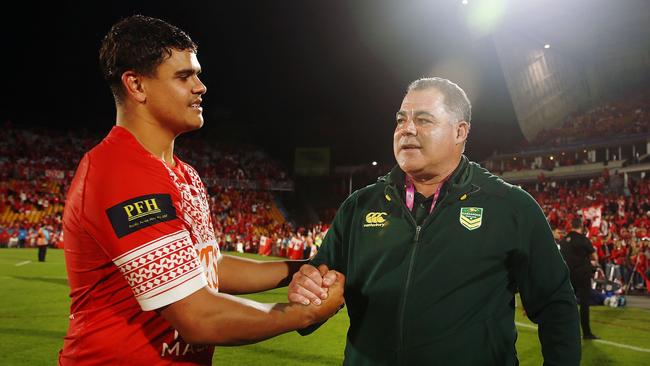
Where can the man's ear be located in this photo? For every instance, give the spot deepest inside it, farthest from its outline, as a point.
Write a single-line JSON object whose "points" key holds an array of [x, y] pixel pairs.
{"points": [[133, 86], [462, 131]]}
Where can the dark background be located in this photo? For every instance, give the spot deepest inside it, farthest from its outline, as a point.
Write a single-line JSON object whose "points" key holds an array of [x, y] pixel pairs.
{"points": [[281, 74]]}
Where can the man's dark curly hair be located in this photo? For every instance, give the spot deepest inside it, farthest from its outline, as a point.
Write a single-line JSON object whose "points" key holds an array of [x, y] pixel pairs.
{"points": [[139, 44]]}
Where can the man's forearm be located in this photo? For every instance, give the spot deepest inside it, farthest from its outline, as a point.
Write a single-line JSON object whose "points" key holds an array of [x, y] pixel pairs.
{"points": [[231, 321], [221, 319], [243, 276]]}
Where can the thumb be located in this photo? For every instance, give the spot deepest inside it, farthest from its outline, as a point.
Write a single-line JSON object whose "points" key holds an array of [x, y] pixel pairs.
{"points": [[328, 277], [340, 276]]}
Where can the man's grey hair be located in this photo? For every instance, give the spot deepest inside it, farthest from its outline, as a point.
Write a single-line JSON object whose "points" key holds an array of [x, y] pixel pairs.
{"points": [[455, 98]]}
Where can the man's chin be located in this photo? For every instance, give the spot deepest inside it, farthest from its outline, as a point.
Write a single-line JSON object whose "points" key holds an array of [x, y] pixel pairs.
{"points": [[190, 126], [195, 125], [410, 168]]}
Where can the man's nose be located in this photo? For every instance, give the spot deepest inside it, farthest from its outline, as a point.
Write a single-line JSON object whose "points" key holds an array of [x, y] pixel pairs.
{"points": [[409, 127], [200, 88]]}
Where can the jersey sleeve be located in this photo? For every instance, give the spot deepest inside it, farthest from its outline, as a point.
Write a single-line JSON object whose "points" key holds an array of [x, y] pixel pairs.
{"points": [[133, 212]]}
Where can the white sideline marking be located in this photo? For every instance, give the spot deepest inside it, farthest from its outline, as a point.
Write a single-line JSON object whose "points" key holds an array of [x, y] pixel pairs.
{"points": [[22, 263], [620, 345]]}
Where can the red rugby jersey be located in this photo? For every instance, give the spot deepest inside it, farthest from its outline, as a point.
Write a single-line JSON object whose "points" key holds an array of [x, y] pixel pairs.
{"points": [[138, 237]]}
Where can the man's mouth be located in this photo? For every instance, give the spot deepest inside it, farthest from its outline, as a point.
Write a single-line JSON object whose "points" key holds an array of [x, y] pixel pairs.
{"points": [[196, 105], [410, 147]]}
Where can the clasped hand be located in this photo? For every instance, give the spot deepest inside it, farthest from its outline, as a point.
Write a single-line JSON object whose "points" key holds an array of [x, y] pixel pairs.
{"points": [[311, 285]]}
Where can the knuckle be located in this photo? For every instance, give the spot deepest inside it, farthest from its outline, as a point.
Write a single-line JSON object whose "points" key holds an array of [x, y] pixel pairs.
{"points": [[305, 268], [306, 293]]}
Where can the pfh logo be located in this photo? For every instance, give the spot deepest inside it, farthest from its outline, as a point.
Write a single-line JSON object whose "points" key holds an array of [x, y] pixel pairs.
{"points": [[141, 208]]}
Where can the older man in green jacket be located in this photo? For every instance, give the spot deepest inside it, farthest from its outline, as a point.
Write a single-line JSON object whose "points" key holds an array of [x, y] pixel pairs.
{"points": [[435, 251]]}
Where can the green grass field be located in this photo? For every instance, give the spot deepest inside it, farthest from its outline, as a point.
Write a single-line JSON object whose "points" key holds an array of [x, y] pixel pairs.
{"points": [[34, 318]]}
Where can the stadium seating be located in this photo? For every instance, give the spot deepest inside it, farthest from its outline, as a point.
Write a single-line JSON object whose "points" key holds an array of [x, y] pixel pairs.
{"points": [[624, 116]]}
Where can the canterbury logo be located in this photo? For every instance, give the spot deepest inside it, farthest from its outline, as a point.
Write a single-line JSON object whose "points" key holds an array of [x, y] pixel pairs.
{"points": [[376, 219]]}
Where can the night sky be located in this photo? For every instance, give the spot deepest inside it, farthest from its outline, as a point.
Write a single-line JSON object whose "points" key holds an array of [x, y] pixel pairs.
{"points": [[282, 74]]}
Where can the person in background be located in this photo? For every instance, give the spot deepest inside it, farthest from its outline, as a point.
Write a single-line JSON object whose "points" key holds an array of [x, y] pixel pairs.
{"points": [[42, 241], [579, 254]]}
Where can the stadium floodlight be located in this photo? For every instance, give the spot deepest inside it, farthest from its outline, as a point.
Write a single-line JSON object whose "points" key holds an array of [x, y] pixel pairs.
{"points": [[374, 163], [484, 16], [547, 46], [465, 2]]}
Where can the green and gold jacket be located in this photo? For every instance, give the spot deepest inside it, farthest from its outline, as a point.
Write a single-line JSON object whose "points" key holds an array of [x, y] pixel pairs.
{"points": [[443, 292]]}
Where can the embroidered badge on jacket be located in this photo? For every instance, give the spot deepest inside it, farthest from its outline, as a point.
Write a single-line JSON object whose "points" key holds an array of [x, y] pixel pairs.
{"points": [[471, 217]]}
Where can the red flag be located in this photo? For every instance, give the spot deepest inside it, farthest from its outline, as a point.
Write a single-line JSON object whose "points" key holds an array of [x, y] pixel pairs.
{"points": [[265, 246]]}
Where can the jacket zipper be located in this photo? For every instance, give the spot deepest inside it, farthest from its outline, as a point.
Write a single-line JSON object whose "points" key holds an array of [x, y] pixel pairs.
{"points": [[418, 229], [400, 320], [407, 285]]}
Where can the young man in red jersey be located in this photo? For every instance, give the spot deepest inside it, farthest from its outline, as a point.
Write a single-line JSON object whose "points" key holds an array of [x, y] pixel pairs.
{"points": [[148, 283]]}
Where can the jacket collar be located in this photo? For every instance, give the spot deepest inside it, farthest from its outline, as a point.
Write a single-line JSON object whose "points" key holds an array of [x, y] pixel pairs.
{"points": [[459, 177], [459, 183]]}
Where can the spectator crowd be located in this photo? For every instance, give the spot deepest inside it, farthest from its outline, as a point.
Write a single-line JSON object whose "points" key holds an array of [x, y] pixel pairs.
{"points": [[36, 167], [626, 116], [616, 220]]}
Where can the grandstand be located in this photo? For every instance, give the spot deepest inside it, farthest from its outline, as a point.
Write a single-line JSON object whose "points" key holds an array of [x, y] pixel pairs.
{"points": [[614, 136], [594, 166]]}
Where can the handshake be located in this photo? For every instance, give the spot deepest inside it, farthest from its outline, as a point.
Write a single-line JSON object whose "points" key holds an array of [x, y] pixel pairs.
{"points": [[319, 289]]}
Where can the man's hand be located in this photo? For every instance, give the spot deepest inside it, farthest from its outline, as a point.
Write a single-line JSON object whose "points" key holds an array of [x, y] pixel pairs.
{"points": [[311, 285], [330, 306]]}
